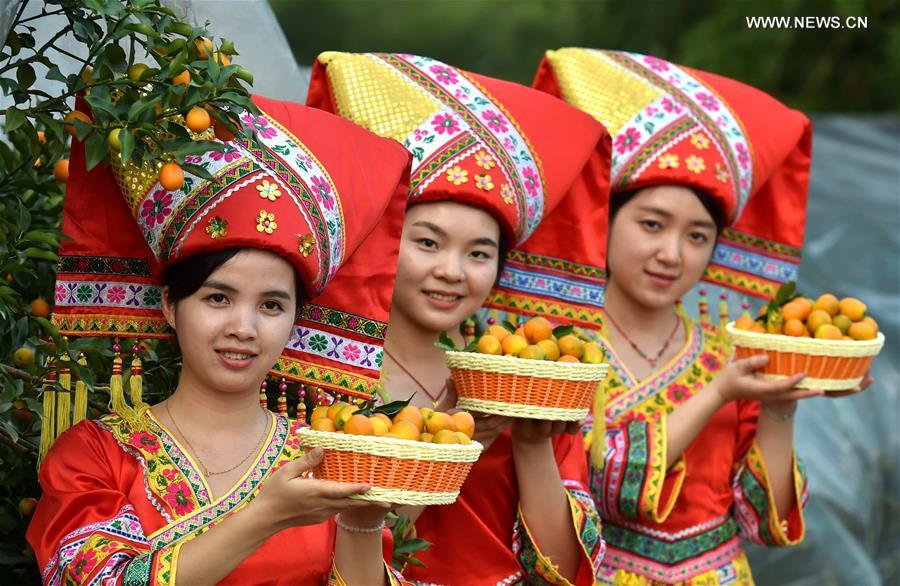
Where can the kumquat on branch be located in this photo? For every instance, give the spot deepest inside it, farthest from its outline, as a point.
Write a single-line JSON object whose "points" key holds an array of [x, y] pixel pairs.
{"points": [[832, 341], [532, 371]]}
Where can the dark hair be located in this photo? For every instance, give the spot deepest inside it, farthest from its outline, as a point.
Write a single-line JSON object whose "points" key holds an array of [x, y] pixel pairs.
{"points": [[706, 200], [502, 251], [185, 277]]}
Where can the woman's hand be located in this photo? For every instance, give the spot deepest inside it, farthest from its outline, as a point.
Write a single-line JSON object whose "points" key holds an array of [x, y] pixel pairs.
{"points": [[488, 427], [866, 382], [538, 430], [738, 381], [288, 499]]}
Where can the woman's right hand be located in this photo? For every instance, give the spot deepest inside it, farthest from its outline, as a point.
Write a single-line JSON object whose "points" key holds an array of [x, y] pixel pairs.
{"points": [[488, 427], [738, 381], [288, 499]]}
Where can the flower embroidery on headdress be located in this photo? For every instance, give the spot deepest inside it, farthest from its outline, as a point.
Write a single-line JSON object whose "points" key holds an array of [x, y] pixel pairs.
{"points": [[668, 161], [268, 190], [266, 222], [699, 141], [457, 176], [506, 193], [695, 164], [216, 227], [484, 182], [307, 244], [721, 173], [484, 160]]}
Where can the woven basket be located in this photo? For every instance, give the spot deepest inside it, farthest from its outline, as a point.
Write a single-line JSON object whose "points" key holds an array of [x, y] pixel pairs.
{"points": [[399, 471], [518, 387], [831, 365]]}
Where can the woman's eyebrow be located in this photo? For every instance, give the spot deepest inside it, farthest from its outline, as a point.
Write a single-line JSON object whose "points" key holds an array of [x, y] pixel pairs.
{"points": [[433, 227], [226, 288], [485, 242]]}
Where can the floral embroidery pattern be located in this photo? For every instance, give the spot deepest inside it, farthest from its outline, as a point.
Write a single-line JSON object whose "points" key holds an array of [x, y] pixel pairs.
{"points": [[445, 123], [627, 141], [671, 106], [656, 64], [116, 294], [322, 190], [484, 160], [259, 125], [268, 190], [721, 173], [708, 101], [484, 182], [228, 155], [506, 193], [444, 74], [155, 209], [307, 245], [695, 164], [144, 441], [668, 161], [216, 227], [457, 175], [531, 180], [266, 222], [494, 121], [179, 497], [700, 141]]}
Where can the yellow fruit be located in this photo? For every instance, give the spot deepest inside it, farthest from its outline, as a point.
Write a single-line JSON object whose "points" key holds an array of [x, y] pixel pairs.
{"points": [[852, 308], [817, 318], [61, 170], [842, 322], [27, 506], [445, 436], [774, 323], [198, 119], [204, 46], [136, 71], [40, 308], [70, 119], [827, 303], [323, 424], [462, 438], [465, 423], [757, 328], [593, 353], [379, 427], [439, 421], [498, 332], [320, 412], [520, 331], [344, 416], [413, 416], [871, 320], [533, 352], [336, 408], [426, 437], [513, 344], [862, 331], [171, 176], [571, 346], [23, 357], [392, 435], [221, 132], [794, 327], [183, 78], [798, 309], [488, 344], [745, 322], [567, 358], [828, 332], [384, 419], [537, 329], [550, 348], [114, 140], [359, 424], [403, 429]]}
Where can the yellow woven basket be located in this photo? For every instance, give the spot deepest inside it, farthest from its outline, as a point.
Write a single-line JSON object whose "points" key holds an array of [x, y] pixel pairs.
{"points": [[399, 471], [832, 365], [518, 387]]}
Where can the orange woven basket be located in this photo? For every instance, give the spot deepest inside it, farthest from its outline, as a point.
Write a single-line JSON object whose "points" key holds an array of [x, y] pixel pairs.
{"points": [[399, 471], [831, 365], [518, 387]]}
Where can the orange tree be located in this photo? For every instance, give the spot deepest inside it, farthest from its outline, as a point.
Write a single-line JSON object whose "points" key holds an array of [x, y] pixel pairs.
{"points": [[149, 88]]}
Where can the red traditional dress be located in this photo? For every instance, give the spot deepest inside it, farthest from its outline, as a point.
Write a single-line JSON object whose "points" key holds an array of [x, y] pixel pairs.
{"points": [[675, 125], [121, 495], [519, 155]]}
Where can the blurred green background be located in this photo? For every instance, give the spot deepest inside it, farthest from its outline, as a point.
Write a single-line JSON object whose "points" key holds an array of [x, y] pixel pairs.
{"points": [[815, 70]]}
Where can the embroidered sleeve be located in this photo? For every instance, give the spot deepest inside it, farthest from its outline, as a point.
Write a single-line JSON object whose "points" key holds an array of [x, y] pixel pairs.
{"points": [[114, 551], [632, 481], [754, 503], [394, 578]]}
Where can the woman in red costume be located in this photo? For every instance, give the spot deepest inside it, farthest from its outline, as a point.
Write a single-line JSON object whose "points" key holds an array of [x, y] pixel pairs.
{"points": [[709, 179], [208, 486], [487, 170]]}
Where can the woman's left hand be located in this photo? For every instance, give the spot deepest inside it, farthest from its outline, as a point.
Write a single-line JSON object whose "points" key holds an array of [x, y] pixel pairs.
{"points": [[537, 430], [867, 381]]}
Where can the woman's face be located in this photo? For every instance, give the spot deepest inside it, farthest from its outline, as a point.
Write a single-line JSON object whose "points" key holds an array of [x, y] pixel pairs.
{"points": [[233, 328], [659, 245], [448, 262]]}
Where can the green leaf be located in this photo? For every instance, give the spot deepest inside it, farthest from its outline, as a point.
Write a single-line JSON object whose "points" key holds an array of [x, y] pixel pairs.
{"points": [[508, 326], [244, 75], [32, 252], [82, 129], [412, 545], [126, 138], [96, 149], [25, 76], [471, 346], [393, 407], [49, 328], [197, 170], [56, 75], [14, 118], [445, 342], [42, 237], [561, 331], [227, 47]]}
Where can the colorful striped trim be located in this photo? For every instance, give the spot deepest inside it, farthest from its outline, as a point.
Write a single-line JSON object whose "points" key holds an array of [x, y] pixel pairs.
{"points": [[343, 320], [335, 347], [90, 324], [334, 379], [529, 305], [104, 265]]}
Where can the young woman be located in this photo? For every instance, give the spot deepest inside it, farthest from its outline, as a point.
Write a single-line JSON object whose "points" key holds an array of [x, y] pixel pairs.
{"points": [[698, 451], [486, 171], [207, 486]]}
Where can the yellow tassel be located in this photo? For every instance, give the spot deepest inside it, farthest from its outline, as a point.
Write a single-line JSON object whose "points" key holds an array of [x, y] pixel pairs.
{"points": [[81, 395], [135, 382], [48, 425], [597, 441], [64, 399], [116, 389], [723, 309]]}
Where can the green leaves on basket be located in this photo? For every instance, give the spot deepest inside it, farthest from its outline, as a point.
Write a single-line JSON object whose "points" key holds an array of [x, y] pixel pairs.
{"points": [[446, 343], [390, 409], [508, 326], [787, 292], [406, 544], [561, 331]]}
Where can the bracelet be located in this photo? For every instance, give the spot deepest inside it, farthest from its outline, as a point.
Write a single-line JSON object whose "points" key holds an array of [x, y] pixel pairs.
{"points": [[352, 529], [780, 416]]}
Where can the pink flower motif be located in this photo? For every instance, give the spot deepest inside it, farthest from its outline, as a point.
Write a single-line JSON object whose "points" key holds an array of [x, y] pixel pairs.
{"points": [[651, 111], [742, 154], [495, 121], [708, 101], [259, 125], [419, 134], [632, 417], [60, 294], [445, 123], [144, 441], [710, 361], [178, 495], [193, 159], [627, 141], [508, 144], [352, 352], [461, 95], [169, 474], [322, 191], [656, 64], [677, 393], [531, 180], [229, 154], [671, 106], [116, 294], [155, 209], [444, 74], [293, 443], [83, 563]]}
